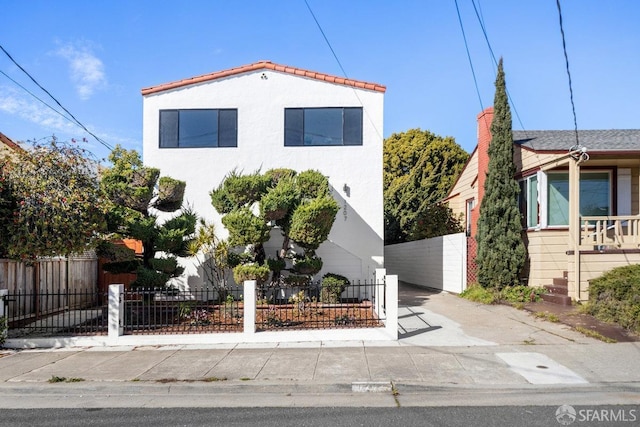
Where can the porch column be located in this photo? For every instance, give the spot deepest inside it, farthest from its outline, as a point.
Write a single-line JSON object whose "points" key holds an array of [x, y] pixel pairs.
{"points": [[574, 222]]}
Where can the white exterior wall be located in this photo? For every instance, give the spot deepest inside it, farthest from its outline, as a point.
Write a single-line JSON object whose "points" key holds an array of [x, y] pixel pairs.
{"points": [[358, 229], [438, 263]]}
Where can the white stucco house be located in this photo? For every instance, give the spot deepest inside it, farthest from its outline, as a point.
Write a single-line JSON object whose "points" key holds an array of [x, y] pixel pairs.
{"points": [[263, 116]]}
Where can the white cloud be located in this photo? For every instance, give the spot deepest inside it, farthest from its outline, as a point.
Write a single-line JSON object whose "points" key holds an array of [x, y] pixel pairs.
{"points": [[31, 110], [87, 70]]}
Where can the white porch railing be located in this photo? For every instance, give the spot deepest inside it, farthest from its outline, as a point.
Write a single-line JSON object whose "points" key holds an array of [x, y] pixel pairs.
{"points": [[619, 232]]}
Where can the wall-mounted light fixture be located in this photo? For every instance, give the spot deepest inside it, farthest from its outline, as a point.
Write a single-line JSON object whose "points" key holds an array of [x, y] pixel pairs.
{"points": [[347, 190]]}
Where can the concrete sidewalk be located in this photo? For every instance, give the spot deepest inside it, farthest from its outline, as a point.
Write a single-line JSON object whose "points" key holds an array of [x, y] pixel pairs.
{"points": [[446, 345]]}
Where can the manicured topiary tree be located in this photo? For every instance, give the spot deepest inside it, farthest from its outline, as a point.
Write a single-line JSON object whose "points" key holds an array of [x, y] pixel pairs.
{"points": [[136, 193], [501, 251], [299, 205]]}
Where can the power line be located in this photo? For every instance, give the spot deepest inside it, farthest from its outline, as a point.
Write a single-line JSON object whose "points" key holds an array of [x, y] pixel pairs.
{"points": [[566, 58], [36, 97], [466, 46], [495, 62], [344, 73], [326, 39], [56, 101]]}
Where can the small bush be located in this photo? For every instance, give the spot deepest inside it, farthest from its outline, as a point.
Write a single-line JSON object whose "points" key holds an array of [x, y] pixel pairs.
{"points": [[477, 293], [521, 294], [332, 287], [307, 265], [245, 228], [295, 280], [259, 273], [312, 221], [615, 297]]}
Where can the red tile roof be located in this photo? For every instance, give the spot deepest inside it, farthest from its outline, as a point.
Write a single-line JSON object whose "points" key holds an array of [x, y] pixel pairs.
{"points": [[264, 65], [9, 143]]}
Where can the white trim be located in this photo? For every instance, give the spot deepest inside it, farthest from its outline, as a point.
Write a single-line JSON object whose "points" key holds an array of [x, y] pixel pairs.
{"points": [[624, 192]]}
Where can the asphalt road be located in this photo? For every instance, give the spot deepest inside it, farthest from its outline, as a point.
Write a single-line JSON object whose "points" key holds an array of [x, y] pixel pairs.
{"points": [[514, 416]]}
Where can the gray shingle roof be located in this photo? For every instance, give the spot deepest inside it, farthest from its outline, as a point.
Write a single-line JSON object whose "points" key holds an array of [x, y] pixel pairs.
{"points": [[594, 140]]}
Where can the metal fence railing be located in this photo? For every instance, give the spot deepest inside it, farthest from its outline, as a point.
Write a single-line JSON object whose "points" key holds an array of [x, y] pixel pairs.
{"points": [[63, 312], [70, 312], [149, 311], [315, 307]]}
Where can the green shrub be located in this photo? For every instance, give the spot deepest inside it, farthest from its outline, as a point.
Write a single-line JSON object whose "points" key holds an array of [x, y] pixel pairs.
{"points": [[312, 184], [312, 222], [477, 293], [149, 279], [275, 175], [520, 294], [332, 287], [615, 297], [245, 228], [307, 265], [295, 280], [242, 272], [276, 265], [281, 199], [170, 194]]}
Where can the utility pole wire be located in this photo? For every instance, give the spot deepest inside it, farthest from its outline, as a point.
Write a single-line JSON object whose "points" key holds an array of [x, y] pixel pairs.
{"points": [[55, 100]]}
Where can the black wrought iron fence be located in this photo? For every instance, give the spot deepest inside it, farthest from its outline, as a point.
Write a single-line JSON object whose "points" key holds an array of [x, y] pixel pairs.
{"points": [[61, 312], [357, 305], [152, 311]]}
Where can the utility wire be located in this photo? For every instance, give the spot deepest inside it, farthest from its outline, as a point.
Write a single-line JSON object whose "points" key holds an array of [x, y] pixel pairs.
{"points": [[566, 58], [466, 46], [344, 73], [56, 101], [326, 39], [495, 62], [36, 97]]}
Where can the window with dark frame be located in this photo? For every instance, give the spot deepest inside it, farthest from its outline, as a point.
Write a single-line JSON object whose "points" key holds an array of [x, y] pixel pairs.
{"points": [[322, 126], [196, 128]]}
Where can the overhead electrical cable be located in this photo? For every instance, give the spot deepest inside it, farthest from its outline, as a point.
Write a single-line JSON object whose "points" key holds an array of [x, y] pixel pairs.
{"points": [[36, 97], [75, 120], [466, 46], [495, 62], [344, 73], [566, 58]]}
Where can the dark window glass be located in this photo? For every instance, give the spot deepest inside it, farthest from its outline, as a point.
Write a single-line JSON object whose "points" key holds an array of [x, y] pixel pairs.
{"points": [[352, 126], [198, 128], [293, 126], [228, 128], [169, 128], [323, 126]]}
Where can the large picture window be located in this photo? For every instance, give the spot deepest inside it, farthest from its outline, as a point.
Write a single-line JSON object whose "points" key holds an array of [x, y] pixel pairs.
{"points": [[323, 126], [198, 128], [595, 196]]}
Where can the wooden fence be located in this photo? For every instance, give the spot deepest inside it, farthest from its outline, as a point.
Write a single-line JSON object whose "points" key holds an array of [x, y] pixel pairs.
{"points": [[47, 276]]}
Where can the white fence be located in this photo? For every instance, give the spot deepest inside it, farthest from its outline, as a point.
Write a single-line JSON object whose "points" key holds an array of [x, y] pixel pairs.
{"points": [[438, 263]]}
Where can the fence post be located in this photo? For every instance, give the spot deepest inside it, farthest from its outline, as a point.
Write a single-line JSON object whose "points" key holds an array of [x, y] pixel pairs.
{"points": [[4, 321], [249, 306], [379, 290], [391, 306], [116, 312]]}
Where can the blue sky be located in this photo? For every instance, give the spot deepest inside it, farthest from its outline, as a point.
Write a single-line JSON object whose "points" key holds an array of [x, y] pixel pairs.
{"points": [[95, 56]]}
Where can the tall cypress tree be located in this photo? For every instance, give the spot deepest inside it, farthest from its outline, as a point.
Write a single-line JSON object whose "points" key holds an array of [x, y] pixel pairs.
{"points": [[501, 252]]}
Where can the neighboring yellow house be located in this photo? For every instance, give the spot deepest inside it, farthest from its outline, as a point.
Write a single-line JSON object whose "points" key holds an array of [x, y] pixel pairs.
{"points": [[567, 246]]}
